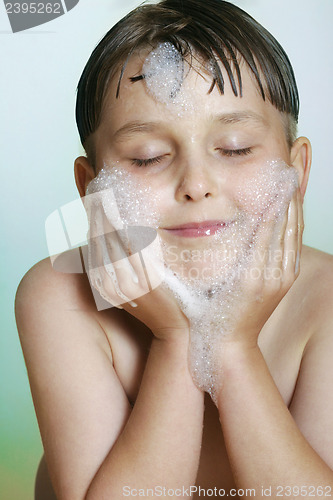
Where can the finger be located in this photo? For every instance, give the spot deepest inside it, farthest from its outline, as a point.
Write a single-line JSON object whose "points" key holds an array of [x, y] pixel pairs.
{"points": [[117, 253], [264, 231], [111, 272], [117, 244], [119, 276], [116, 262], [95, 252], [153, 263], [300, 232], [147, 261], [98, 276], [291, 237], [106, 289], [124, 278], [99, 258], [276, 249], [148, 264], [114, 247]]}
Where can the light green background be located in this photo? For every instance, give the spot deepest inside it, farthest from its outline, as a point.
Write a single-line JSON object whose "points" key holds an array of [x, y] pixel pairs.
{"points": [[39, 72]]}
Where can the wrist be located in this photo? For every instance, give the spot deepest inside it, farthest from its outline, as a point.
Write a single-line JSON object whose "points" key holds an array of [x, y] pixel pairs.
{"points": [[238, 361], [174, 352], [172, 335], [238, 351], [171, 349], [172, 339]]}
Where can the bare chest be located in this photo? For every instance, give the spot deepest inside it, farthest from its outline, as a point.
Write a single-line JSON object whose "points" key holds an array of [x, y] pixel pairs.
{"points": [[283, 354]]}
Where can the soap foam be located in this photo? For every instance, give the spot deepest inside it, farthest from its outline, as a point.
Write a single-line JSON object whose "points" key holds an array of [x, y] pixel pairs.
{"points": [[211, 301], [115, 202], [136, 203], [165, 71]]}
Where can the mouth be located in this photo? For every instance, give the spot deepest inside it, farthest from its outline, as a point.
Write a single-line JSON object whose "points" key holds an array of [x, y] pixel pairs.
{"points": [[197, 229]]}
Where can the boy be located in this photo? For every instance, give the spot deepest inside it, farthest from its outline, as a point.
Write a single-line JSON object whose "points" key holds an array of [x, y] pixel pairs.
{"points": [[117, 407]]}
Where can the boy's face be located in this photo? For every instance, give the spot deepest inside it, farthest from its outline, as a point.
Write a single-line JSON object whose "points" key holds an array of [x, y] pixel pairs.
{"points": [[195, 158]]}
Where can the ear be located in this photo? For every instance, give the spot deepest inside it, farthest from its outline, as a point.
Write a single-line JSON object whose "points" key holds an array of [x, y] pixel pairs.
{"points": [[83, 173], [301, 158]]}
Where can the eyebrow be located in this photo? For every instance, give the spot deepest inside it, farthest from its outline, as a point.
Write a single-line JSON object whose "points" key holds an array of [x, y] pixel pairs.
{"points": [[240, 116], [136, 127]]}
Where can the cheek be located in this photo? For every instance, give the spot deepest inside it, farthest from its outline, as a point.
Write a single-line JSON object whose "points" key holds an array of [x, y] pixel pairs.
{"points": [[136, 202], [274, 181]]}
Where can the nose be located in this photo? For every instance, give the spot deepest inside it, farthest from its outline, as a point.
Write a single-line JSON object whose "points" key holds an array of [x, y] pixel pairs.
{"points": [[195, 183]]}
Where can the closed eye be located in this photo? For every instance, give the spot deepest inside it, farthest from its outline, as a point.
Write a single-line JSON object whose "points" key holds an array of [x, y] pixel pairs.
{"points": [[146, 162], [235, 152]]}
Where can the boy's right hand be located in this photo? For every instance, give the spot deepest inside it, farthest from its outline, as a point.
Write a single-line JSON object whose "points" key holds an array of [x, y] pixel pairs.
{"points": [[125, 265]]}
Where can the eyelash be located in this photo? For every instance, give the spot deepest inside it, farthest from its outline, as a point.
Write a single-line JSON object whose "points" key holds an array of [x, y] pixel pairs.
{"points": [[236, 152], [226, 152], [146, 163]]}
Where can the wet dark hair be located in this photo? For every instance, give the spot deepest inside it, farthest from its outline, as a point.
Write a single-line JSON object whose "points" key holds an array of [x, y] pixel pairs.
{"points": [[216, 31]]}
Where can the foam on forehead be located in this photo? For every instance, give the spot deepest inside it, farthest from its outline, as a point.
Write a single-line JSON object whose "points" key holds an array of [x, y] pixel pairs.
{"points": [[164, 72]]}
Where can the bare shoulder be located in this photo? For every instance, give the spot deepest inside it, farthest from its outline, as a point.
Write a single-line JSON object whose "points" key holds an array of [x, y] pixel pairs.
{"points": [[315, 290], [52, 307], [315, 283], [312, 403], [76, 390], [317, 263], [42, 284], [309, 301]]}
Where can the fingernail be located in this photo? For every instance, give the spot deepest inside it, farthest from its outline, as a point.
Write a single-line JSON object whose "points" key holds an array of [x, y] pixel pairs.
{"points": [[297, 262], [133, 304], [133, 273]]}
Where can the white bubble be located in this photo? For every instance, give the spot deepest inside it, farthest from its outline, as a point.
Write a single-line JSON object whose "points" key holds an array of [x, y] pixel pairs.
{"points": [[135, 200], [164, 73]]}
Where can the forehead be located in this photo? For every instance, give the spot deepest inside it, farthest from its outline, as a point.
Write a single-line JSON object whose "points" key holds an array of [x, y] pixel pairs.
{"points": [[193, 102]]}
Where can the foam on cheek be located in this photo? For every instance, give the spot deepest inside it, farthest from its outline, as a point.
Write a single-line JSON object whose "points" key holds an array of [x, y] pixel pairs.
{"points": [[135, 202], [116, 200], [212, 304], [275, 182]]}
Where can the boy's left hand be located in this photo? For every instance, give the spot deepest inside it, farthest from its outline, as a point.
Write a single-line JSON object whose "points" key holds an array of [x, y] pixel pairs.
{"points": [[273, 269]]}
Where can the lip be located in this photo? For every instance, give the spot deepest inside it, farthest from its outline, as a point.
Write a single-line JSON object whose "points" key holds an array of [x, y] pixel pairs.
{"points": [[197, 229]]}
